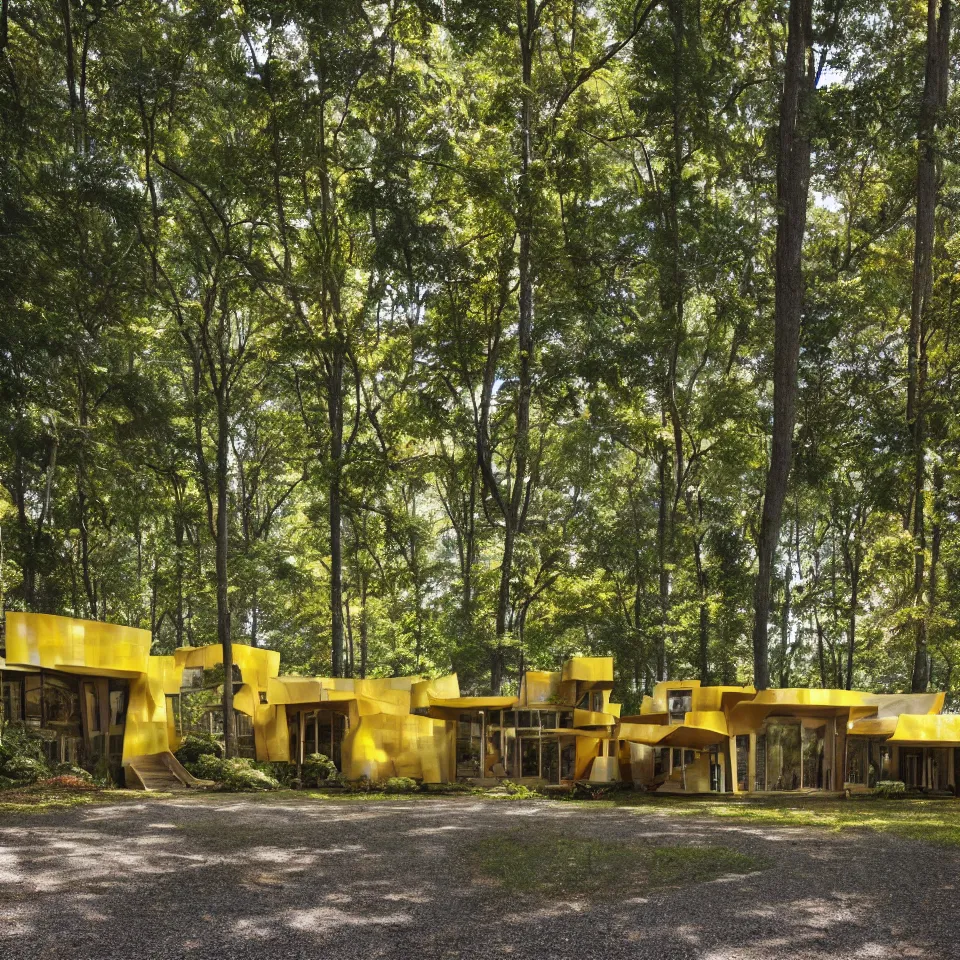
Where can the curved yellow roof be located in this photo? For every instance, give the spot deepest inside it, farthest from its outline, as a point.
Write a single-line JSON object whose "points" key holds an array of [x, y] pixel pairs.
{"points": [[927, 728]]}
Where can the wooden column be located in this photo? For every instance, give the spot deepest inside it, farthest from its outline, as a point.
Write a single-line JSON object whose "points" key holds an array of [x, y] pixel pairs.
{"points": [[732, 749]]}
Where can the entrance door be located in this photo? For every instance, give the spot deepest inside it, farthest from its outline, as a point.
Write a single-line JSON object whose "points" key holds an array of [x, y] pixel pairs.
{"points": [[911, 768]]}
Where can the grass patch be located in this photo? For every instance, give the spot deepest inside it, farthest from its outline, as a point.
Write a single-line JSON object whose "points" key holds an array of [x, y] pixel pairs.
{"points": [[40, 798], [935, 821], [552, 864]]}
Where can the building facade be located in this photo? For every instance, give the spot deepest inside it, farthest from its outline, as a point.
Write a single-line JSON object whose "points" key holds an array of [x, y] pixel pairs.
{"points": [[95, 694]]}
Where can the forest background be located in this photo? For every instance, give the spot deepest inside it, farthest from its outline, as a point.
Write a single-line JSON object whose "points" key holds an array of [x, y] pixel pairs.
{"points": [[418, 336]]}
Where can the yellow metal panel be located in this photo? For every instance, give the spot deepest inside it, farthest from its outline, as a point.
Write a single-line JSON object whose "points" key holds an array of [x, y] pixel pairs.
{"points": [[540, 686], [146, 729], [62, 643], [589, 718], [927, 729], [589, 669], [441, 688], [647, 733]]}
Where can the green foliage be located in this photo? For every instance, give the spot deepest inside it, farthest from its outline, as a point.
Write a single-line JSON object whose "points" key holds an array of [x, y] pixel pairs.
{"points": [[204, 260], [890, 789], [236, 774], [519, 791], [22, 759], [195, 746], [318, 770], [400, 785]]}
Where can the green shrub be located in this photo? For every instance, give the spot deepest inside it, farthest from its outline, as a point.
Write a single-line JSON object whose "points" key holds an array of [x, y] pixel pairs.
{"points": [[70, 770], [241, 775], [22, 757], [518, 791], [319, 769], [366, 785], [889, 789], [400, 785], [197, 745], [236, 774], [24, 769], [206, 767]]}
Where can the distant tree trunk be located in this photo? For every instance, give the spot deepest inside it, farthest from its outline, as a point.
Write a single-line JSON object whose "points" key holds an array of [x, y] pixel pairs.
{"points": [[935, 89], [222, 557], [793, 180], [335, 409], [663, 536]]}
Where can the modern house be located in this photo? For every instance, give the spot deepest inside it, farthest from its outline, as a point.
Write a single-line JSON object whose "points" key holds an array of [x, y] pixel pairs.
{"points": [[691, 738], [95, 694], [93, 690]]}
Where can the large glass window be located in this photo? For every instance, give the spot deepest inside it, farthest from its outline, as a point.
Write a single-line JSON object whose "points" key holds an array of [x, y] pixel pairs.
{"points": [[568, 761], [530, 757], [33, 702], [61, 701], [783, 755], [12, 701]]}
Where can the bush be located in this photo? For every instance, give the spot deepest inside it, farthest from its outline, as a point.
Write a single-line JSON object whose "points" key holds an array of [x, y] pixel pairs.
{"points": [[236, 774], [890, 789], [22, 758], [69, 770], [241, 775], [23, 769], [205, 767], [401, 785], [319, 769], [518, 791], [197, 745]]}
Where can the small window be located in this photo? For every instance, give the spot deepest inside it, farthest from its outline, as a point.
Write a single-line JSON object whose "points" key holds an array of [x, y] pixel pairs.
{"points": [[596, 701], [679, 703]]}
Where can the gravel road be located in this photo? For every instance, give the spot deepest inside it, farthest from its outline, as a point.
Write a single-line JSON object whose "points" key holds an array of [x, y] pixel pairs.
{"points": [[229, 877]]}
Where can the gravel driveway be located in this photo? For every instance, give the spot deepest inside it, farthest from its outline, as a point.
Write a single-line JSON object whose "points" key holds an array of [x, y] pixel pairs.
{"points": [[229, 877]]}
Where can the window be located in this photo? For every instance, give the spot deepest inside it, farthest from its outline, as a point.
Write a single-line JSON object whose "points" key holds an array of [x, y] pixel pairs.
{"points": [[33, 704], [596, 701], [527, 719], [192, 678], [568, 761], [92, 703], [661, 761], [530, 758], [173, 712], [12, 704], [679, 703], [61, 701], [118, 703], [743, 761]]}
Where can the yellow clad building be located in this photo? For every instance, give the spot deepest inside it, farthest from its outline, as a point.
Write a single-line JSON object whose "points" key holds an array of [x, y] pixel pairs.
{"points": [[691, 738], [95, 693]]}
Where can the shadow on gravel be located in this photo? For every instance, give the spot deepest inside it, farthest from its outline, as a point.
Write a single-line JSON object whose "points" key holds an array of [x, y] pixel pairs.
{"points": [[395, 880]]}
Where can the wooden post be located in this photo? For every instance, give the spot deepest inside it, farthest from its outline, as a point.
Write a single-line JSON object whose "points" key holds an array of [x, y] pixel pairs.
{"points": [[732, 747]]}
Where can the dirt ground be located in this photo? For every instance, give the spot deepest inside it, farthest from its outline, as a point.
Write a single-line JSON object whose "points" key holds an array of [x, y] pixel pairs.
{"points": [[235, 877]]}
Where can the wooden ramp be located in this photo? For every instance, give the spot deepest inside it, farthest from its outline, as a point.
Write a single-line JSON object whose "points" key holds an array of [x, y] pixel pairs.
{"points": [[161, 772]]}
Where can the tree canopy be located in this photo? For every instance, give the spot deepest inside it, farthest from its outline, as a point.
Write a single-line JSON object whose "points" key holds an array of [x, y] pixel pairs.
{"points": [[405, 337]]}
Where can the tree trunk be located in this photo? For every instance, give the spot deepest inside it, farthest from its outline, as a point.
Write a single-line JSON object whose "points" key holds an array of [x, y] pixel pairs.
{"points": [[335, 410], [935, 89], [222, 548], [793, 180]]}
